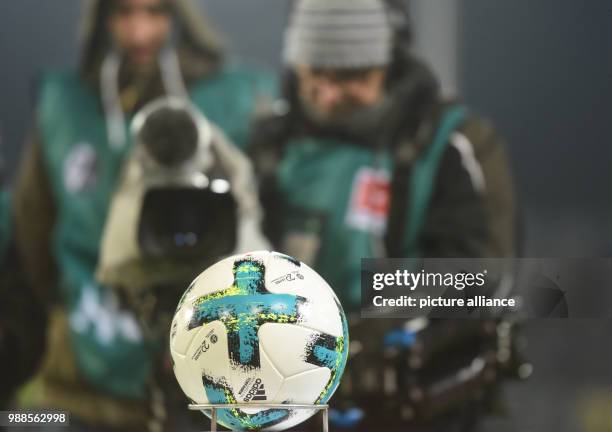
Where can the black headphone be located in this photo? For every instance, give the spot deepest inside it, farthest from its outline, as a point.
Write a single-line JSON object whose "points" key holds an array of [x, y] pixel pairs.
{"points": [[399, 17]]}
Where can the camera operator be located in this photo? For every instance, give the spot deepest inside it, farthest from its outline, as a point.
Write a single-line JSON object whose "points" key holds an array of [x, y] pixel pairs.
{"points": [[367, 160], [98, 364]]}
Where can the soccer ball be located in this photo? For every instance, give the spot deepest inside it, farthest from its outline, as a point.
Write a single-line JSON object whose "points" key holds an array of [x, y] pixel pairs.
{"points": [[259, 328]]}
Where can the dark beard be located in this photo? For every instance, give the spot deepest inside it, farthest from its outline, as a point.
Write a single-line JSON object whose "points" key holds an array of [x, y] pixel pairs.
{"points": [[362, 125]]}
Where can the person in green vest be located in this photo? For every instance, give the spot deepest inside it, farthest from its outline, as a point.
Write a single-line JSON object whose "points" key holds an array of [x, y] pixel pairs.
{"points": [[98, 365], [363, 158]]}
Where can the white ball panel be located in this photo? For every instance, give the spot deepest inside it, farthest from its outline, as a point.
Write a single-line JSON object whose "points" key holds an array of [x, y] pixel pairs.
{"points": [[288, 358], [321, 313], [207, 355], [183, 370], [308, 385], [215, 278], [180, 335]]}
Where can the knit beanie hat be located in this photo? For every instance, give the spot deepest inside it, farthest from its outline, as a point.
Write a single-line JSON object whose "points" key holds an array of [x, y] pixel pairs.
{"points": [[339, 34]]}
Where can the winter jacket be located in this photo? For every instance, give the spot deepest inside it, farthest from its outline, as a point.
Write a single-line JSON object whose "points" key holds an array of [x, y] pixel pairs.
{"points": [[431, 180]]}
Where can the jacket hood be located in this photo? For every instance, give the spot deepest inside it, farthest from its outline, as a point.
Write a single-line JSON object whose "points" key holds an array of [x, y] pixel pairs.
{"points": [[198, 45]]}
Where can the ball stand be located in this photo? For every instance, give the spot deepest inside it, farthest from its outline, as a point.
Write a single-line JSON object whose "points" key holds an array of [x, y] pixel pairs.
{"points": [[214, 407]]}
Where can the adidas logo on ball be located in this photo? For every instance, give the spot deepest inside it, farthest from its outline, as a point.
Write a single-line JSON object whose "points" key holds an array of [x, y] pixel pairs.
{"points": [[257, 392]]}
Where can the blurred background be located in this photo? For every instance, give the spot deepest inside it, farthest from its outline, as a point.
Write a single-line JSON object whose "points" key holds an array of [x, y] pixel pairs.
{"points": [[540, 71]]}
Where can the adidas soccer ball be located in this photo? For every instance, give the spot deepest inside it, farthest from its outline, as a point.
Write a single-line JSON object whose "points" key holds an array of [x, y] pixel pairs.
{"points": [[259, 328]]}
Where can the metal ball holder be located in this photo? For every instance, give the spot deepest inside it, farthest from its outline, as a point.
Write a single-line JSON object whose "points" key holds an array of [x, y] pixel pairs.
{"points": [[214, 407]]}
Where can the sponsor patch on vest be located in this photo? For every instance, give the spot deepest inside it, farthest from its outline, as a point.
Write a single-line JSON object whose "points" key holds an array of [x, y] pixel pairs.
{"points": [[370, 201], [98, 314], [81, 168]]}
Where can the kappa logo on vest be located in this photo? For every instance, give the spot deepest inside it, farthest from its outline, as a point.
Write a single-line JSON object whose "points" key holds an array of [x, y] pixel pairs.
{"points": [[81, 168], [99, 314], [370, 201]]}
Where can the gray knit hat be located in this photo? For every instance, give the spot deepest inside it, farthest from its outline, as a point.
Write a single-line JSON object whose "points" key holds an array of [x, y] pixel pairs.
{"points": [[339, 33]]}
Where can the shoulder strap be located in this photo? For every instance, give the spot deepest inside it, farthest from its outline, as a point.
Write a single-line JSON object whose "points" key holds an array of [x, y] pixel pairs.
{"points": [[421, 183]]}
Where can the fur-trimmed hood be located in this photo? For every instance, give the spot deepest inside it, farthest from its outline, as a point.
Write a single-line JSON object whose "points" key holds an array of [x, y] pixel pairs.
{"points": [[198, 45]]}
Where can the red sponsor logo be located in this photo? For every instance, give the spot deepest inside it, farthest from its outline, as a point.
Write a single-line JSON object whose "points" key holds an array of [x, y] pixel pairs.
{"points": [[370, 201]]}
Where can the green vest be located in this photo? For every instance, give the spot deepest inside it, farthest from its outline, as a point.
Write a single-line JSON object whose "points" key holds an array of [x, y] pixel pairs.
{"points": [[83, 169], [5, 224], [340, 191]]}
